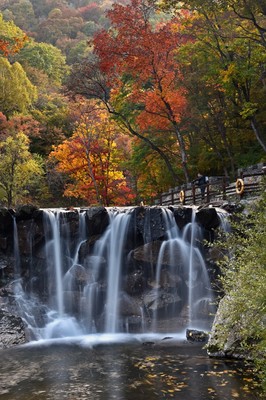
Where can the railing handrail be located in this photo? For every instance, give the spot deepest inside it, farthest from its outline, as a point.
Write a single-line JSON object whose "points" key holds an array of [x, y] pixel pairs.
{"points": [[218, 188]]}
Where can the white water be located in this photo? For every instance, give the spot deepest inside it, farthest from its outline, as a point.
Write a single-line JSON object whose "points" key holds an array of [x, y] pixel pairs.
{"points": [[80, 302], [181, 249], [116, 238], [53, 253], [16, 251]]}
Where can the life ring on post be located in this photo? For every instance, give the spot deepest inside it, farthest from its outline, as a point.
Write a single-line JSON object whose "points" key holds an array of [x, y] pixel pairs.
{"points": [[182, 196], [240, 186]]}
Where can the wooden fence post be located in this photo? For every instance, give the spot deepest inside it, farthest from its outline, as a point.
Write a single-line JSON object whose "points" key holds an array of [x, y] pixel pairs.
{"points": [[193, 194], [208, 192], [224, 187]]}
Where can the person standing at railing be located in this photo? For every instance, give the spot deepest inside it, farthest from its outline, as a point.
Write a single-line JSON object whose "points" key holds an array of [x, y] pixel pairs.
{"points": [[201, 182]]}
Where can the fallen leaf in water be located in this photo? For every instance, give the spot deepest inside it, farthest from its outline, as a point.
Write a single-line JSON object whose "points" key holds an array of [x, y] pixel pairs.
{"points": [[152, 376], [248, 379]]}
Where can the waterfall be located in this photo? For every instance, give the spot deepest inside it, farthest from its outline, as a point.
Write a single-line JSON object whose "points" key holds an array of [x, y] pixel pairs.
{"points": [[17, 267], [192, 272], [138, 273], [199, 285], [180, 256], [116, 238], [53, 253], [224, 222]]}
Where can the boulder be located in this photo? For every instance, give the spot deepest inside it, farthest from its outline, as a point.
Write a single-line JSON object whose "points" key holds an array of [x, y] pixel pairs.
{"points": [[194, 335], [135, 282], [208, 218], [224, 341], [158, 301], [97, 220], [149, 223], [183, 215], [6, 221]]}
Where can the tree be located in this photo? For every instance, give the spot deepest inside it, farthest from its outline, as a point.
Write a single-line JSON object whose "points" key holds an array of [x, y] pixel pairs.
{"points": [[139, 80], [232, 33], [12, 39], [17, 94], [46, 58], [18, 123], [18, 168], [57, 26], [91, 159], [220, 139], [139, 61], [22, 14]]}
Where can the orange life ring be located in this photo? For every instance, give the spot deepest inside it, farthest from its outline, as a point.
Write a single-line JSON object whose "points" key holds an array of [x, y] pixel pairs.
{"points": [[240, 186], [182, 196]]}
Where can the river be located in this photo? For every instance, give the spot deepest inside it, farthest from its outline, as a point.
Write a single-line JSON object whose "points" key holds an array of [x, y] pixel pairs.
{"points": [[128, 368]]}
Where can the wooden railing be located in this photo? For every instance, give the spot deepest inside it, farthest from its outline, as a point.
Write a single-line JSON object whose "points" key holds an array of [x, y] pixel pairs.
{"points": [[218, 189]]}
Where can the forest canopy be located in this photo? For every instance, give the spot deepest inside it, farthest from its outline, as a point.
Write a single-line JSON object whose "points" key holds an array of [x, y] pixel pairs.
{"points": [[182, 84]]}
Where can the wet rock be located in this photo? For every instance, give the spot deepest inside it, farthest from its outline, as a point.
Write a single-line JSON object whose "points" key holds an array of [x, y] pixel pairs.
{"points": [[149, 223], [79, 274], [94, 263], [6, 229], [86, 248], [225, 337], [97, 220], [169, 279], [25, 211], [158, 301], [72, 302], [129, 306], [148, 252], [30, 234], [208, 218], [135, 283], [183, 216], [12, 330], [194, 335]]}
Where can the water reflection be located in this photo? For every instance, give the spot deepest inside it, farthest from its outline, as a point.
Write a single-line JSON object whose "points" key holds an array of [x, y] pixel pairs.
{"points": [[122, 371]]}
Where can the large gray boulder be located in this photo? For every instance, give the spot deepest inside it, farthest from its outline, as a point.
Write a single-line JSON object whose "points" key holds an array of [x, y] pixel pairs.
{"points": [[225, 338]]}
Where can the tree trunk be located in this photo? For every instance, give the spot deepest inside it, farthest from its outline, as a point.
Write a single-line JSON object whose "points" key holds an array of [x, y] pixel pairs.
{"points": [[128, 126], [257, 132]]}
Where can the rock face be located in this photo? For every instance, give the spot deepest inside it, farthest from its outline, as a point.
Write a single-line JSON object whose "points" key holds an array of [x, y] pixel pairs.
{"points": [[221, 344], [12, 330], [25, 240]]}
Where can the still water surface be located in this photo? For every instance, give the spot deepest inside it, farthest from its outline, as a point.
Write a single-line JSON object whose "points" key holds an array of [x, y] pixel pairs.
{"points": [[132, 370]]}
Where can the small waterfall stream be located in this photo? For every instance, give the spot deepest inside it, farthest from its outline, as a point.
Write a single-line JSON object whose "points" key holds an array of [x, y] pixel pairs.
{"points": [[17, 267], [53, 253], [116, 238], [98, 284]]}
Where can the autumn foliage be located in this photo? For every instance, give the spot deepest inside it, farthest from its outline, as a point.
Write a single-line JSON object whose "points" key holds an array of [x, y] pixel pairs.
{"points": [[12, 39], [91, 159], [139, 58], [185, 81]]}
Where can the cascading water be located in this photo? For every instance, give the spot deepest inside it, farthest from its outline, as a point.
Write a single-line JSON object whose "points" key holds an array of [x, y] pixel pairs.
{"points": [[17, 269], [116, 238], [182, 256], [100, 285], [54, 255]]}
